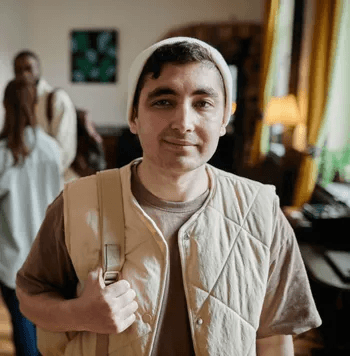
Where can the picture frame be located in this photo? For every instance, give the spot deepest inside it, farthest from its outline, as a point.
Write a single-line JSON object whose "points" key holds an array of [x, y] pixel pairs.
{"points": [[94, 56]]}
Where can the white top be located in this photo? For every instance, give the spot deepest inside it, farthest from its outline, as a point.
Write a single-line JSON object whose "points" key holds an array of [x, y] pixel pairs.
{"points": [[64, 122], [25, 192]]}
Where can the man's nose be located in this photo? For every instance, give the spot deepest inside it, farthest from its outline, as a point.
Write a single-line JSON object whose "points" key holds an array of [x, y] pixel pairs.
{"points": [[184, 118]]}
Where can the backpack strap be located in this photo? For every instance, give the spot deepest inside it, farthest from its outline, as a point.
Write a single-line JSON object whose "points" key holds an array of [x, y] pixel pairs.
{"points": [[49, 106], [49, 109], [111, 224]]}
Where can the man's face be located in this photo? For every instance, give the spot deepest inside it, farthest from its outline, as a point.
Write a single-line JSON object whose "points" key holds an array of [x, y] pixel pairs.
{"points": [[180, 117], [27, 67]]}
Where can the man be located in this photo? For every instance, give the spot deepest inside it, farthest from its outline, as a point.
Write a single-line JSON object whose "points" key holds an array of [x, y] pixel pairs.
{"points": [[211, 265], [63, 126]]}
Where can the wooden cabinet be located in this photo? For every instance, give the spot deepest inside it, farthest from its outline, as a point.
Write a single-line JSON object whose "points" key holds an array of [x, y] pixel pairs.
{"points": [[120, 145], [110, 136]]}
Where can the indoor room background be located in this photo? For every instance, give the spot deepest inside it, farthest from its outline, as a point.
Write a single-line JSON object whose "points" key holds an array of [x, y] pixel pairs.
{"points": [[44, 26]]}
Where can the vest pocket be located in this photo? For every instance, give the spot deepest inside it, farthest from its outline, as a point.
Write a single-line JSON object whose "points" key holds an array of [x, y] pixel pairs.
{"points": [[136, 331], [223, 331]]}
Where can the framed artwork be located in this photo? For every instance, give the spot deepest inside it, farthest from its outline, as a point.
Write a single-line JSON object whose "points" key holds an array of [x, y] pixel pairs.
{"points": [[94, 56]]}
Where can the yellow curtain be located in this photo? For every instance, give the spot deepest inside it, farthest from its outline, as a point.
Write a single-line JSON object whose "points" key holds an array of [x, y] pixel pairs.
{"points": [[261, 130], [327, 18]]}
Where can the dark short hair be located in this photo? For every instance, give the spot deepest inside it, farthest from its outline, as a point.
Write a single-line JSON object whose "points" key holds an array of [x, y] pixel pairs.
{"points": [[176, 53], [26, 53]]}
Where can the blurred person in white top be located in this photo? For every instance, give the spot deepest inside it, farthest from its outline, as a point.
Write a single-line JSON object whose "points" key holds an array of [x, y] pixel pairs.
{"points": [[64, 121], [29, 181]]}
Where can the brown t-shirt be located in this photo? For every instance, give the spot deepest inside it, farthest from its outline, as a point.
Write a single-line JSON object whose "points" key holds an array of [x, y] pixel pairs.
{"points": [[174, 334], [288, 304]]}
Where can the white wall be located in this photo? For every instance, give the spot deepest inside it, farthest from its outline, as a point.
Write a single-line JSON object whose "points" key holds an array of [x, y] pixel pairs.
{"points": [[140, 23], [13, 38]]}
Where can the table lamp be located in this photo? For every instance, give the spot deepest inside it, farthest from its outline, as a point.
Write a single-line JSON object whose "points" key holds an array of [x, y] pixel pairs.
{"points": [[284, 110]]}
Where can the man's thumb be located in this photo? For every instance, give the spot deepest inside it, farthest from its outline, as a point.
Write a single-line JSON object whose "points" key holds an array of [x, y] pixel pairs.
{"points": [[96, 274], [100, 277]]}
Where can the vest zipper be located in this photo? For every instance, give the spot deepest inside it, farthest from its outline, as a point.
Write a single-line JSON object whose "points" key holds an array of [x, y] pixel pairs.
{"points": [[154, 230], [196, 351], [160, 313]]}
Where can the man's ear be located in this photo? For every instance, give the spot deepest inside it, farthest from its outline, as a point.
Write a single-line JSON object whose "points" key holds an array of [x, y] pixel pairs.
{"points": [[132, 122], [222, 130], [133, 128]]}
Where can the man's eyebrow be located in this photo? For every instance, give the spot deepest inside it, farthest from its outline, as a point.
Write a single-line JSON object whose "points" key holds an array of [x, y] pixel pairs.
{"points": [[209, 91], [160, 91]]}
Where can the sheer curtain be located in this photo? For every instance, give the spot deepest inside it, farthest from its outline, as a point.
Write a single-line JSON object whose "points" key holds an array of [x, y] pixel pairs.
{"points": [[276, 63], [335, 136], [321, 75]]}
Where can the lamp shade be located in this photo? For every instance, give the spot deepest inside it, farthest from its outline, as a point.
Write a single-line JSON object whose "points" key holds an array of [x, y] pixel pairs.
{"points": [[283, 110]]}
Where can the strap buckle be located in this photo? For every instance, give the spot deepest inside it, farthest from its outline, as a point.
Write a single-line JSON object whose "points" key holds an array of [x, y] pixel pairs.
{"points": [[110, 277]]}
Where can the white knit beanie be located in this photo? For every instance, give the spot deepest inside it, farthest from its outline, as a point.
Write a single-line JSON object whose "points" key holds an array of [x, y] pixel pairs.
{"points": [[141, 59]]}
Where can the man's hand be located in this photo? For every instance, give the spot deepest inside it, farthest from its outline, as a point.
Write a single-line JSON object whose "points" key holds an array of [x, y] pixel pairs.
{"points": [[100, 309], [106, 309]]}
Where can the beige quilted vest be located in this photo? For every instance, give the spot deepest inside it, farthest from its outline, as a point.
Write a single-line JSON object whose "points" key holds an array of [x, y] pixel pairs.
{"points": [[224, 250]]}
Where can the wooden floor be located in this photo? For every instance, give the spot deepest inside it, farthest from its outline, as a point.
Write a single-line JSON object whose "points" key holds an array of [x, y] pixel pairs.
{"points": [[6, 345], [303, 343]]}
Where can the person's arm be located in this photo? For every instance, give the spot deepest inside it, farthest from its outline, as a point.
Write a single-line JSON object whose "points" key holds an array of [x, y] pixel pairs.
{"points": [[278, 345], [288, 307], [99, 309], [47, 285], [64, 127]]}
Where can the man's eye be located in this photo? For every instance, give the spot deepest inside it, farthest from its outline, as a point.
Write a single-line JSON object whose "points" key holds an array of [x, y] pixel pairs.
{"points": [[203, 104], [161, 103]]}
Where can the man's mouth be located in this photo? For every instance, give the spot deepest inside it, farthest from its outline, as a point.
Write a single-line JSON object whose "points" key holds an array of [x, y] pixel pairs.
{"points": [[179, 142]]}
